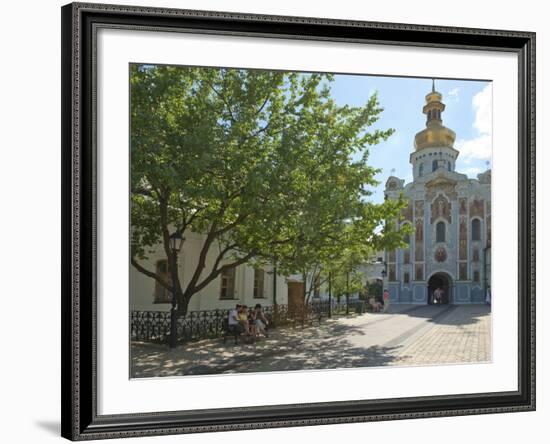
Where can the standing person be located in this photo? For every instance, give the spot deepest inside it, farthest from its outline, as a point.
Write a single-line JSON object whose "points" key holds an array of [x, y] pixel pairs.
{"points": [[441, 296], [386, 301]]}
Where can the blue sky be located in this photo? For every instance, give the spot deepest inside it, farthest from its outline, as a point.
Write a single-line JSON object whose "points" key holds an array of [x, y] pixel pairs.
{"points": [[468, 113]]}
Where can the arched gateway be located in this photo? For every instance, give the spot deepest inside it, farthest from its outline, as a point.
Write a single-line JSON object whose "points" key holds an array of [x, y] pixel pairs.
{"points": [[443, 281]]}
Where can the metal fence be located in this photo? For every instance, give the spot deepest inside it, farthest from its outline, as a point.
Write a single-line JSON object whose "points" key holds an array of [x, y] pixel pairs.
{"points": [[154, 326]]}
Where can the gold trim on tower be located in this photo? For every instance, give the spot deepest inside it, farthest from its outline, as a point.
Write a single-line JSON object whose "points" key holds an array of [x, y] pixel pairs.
{"points": [[435, 135]]}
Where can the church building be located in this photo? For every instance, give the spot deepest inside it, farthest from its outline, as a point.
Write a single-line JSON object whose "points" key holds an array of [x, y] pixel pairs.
{"points": [[451, 219]]}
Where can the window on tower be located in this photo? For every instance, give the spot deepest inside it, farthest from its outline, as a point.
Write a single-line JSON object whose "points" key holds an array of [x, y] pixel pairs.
{"points": [[434, 165], [476, 230], [440, 232], [421, 170]]}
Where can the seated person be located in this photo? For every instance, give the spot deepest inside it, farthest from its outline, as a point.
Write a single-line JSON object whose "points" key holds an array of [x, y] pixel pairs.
{"points": [[260, 321], [233, 320], [376, 306], [243, 319]]}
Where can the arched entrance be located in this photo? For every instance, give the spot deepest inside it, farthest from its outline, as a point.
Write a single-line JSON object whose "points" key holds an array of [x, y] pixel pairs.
{"points": [[443, 281]]}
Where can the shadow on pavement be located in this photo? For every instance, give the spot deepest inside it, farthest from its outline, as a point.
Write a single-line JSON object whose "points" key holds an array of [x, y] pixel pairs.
{"points": [[326, 346]]}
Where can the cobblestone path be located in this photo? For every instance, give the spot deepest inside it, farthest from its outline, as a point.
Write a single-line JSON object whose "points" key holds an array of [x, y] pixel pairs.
{"points": [[410, 335]]}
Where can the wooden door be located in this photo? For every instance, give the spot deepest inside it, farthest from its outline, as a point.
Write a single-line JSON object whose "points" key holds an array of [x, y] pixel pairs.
{"points": [[295, 298]]}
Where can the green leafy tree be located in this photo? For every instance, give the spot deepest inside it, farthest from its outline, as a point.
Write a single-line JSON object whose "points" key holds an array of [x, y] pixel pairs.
{"points": [[374, 290], [264, 165]]}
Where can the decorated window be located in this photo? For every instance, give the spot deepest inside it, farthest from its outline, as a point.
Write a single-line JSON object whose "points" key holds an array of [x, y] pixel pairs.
{"points": [[440, 232], [476, 230]]}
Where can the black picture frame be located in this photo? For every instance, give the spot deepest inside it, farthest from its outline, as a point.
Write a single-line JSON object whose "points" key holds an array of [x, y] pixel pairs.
{"points": [[80, 420]]}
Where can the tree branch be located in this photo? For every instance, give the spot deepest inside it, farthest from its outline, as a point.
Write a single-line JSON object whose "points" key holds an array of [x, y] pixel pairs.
{"points": [[215, 273], [150, 274]]}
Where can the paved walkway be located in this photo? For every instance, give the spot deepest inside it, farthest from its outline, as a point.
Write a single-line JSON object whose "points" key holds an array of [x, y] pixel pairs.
{"points": [[409, 335]]}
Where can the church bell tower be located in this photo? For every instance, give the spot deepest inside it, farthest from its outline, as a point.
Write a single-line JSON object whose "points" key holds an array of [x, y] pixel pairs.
{"points": [[434, 145]]}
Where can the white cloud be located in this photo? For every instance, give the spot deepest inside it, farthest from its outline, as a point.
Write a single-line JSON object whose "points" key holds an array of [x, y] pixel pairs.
{"points": [[480, 147], [453, 94], [473, 171], [482, 103]]}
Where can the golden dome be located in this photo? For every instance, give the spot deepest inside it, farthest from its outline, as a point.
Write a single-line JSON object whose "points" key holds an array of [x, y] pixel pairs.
{"points": [[435, 135]]}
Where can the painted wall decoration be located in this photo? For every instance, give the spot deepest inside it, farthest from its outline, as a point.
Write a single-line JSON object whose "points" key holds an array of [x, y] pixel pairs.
{"points": [[463, 239], [419, 240], [440, 208], [440, 255], [391, 274], [477, 208], [445, 186], [407, 212], [419, 272], [463, 271], [463, 206], [419, 208]]}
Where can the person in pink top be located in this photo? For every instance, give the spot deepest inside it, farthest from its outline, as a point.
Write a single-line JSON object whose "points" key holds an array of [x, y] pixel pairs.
{"points": [[386, 301]]}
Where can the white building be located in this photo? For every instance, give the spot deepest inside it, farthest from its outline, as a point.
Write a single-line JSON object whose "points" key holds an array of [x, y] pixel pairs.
{"points": [[241, 285]]}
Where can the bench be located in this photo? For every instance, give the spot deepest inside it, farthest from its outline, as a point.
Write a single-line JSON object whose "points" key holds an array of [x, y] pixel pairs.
{"points": [[227, 331], [235, 333]]}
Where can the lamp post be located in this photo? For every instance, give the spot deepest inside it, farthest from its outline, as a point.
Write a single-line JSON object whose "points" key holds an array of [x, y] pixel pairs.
{"points": [[384, 272], [175, 245]]}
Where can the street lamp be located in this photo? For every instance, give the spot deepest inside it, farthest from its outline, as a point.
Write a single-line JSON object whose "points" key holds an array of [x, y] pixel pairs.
{"points": [[176, 241], [384, 272]]}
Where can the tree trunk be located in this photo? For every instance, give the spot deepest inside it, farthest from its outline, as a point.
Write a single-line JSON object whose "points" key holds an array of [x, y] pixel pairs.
{"points": [[304, 277], [347, 293], [183, 304], [329, 294]]}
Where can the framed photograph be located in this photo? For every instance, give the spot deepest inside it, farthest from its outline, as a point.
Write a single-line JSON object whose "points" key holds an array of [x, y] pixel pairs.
{"points": [[278, 221]]}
